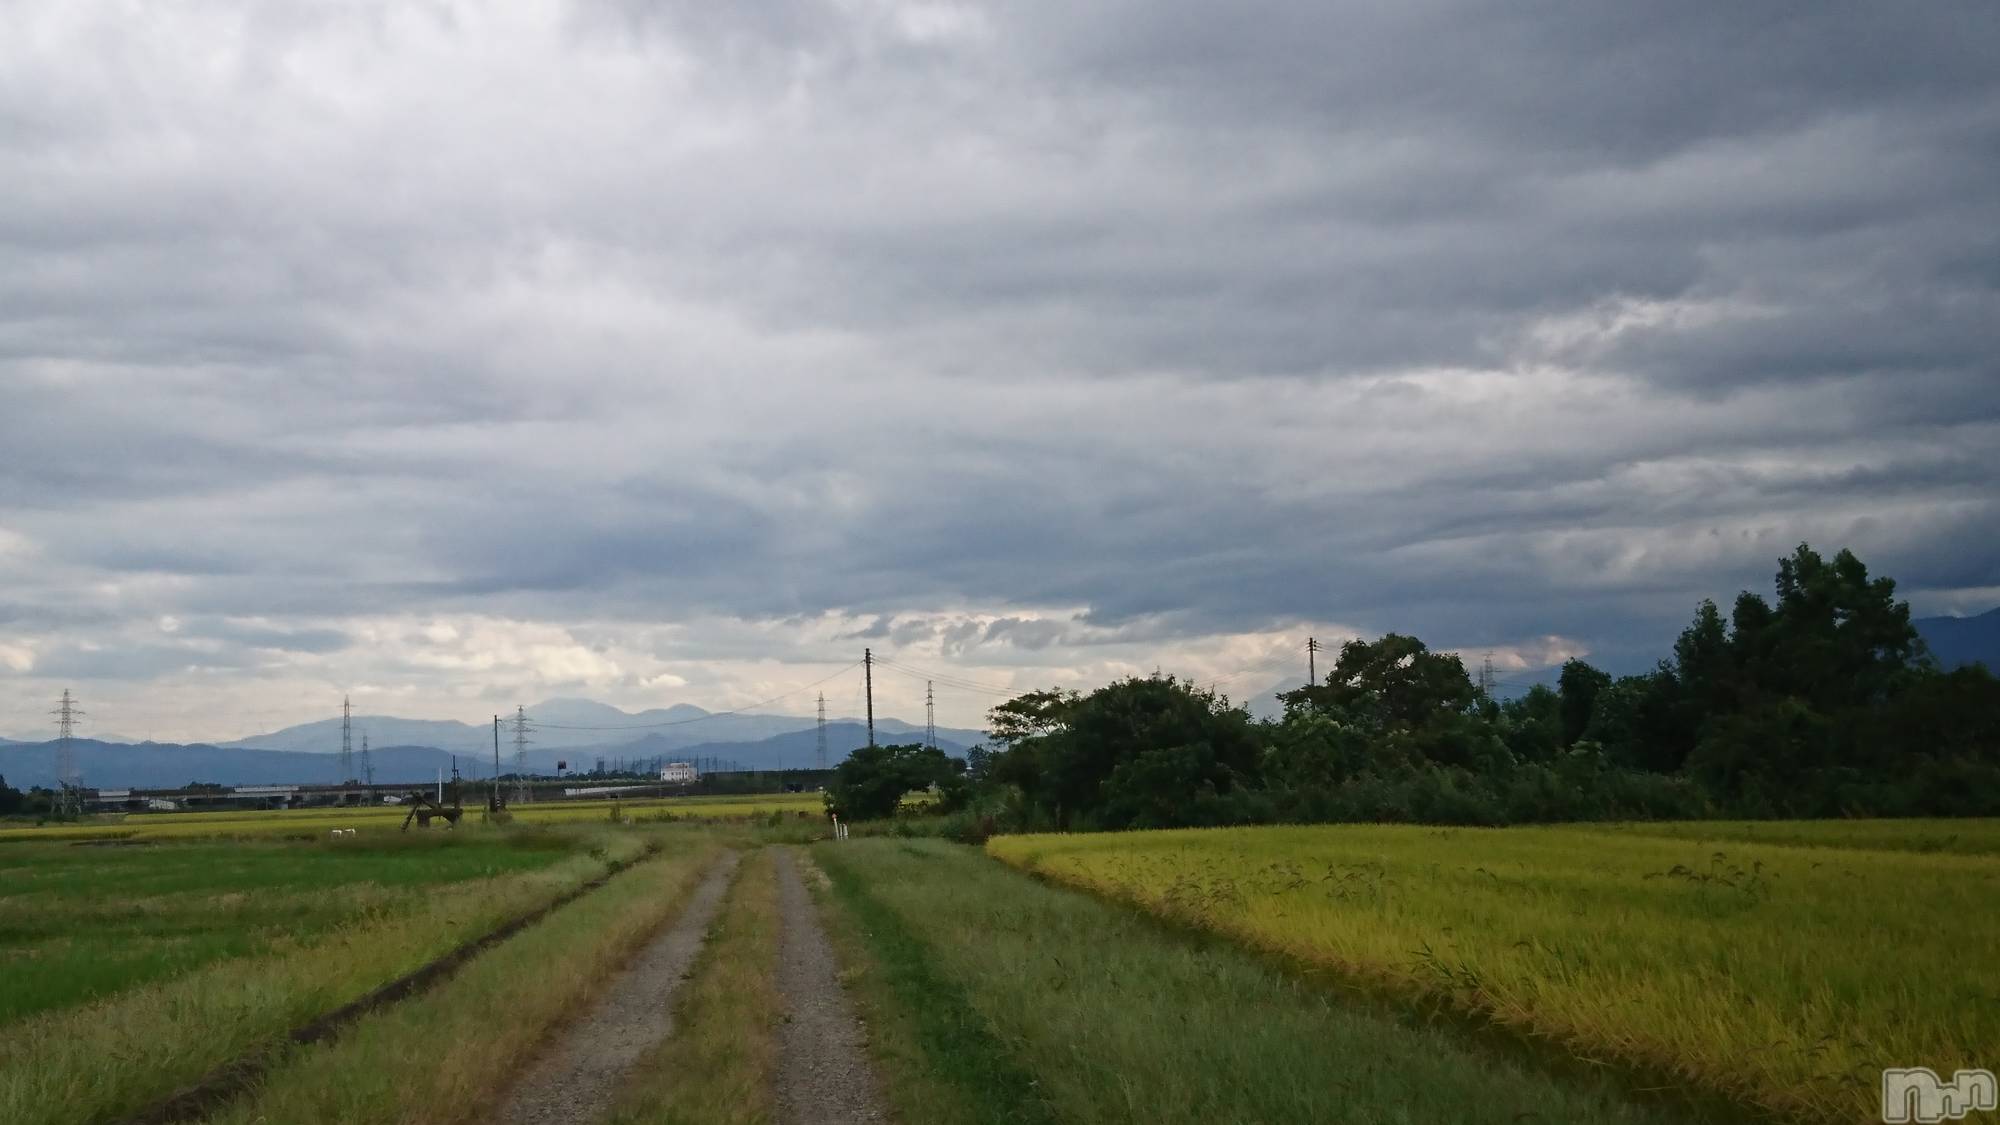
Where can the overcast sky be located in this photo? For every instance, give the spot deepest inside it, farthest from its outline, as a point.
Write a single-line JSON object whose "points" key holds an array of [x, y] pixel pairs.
{"points": [[455, 355]]}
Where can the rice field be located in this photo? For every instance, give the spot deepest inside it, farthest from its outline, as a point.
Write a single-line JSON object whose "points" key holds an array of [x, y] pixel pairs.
{"points": [[81, 923], [308, 822], [444, 1058], [1782, 966], [151, 1024], [992, 999], [1775, 967], [1955, 837]]}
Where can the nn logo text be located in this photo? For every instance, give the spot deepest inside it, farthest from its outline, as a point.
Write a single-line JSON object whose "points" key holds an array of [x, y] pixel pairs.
{"points": [[1918, 1094]]}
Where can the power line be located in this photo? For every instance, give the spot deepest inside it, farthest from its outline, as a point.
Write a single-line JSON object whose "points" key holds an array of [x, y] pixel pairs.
{"points": [[704, 718], [948, 679], [1263, 666]]}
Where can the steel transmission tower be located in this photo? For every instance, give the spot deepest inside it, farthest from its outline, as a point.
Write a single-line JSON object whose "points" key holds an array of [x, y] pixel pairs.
{"points": [[367, 765], [346, 741], [521, 729], [868, 681], [1486, 677], [69, 779], [819, 758], [930, 717]]}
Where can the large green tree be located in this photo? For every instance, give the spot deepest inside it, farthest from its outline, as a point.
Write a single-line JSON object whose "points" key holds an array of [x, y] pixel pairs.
{"points": [[1394, 682], [1579, 685], [1145, 750], [873, 780], [1836, 636]]}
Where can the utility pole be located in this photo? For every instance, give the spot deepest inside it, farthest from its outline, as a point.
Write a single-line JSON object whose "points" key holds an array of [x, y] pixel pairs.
{"points": [[868, 677], [493, 802], [346, 742], [819, 758], [69, 779], [930, 717], [367, 764], [521, 790], [1312, 670]]}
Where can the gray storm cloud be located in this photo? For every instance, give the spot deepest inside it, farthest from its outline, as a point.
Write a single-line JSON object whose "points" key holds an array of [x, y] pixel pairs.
{"points": [[666, 351]]}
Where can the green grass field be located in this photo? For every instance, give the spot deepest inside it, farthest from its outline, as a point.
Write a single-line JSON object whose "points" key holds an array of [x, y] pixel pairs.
{"points": [[316, 822], [1955, 837], [86, 1060], [998, 999], [445, 1058], [78, 923], [1784, 975], [1603, 973]]}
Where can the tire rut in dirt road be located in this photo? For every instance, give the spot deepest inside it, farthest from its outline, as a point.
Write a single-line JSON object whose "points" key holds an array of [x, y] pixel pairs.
{"points": [[824, 1077], [576, 1077]]}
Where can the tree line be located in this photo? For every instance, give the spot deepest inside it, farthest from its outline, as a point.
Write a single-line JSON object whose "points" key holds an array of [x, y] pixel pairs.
{"points": [[1821, 702]]}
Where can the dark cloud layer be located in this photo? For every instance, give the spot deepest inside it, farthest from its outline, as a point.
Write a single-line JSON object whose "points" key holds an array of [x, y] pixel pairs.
{"points": [[669, 351]]}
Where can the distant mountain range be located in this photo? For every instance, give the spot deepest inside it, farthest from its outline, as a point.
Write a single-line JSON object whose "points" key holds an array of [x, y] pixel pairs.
{"points": [[578, 731], [415, 749], [1957, 641], [572, 725], [164, 765]]}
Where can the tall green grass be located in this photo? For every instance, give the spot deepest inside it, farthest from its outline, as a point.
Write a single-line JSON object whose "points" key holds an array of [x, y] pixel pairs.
{"points": [[1041, 1003], [81, 923], [1782, 977], [1954, 837], [942, 1061], [448, 1056], [718, 1066], [316, 822], [97, 1060]]}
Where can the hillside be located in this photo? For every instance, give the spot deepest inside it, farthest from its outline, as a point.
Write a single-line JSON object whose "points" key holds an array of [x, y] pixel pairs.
{"points": [[108, 765], [160, 764], [792, 750], [1956, 641], [575, 725]]}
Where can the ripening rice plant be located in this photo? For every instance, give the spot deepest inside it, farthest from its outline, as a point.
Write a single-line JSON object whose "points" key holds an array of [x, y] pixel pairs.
{"points": [[1785, 977]]}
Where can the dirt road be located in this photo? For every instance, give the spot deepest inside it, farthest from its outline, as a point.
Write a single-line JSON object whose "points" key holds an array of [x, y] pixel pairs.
{"points": [[824, 1077], [578, 1075]]}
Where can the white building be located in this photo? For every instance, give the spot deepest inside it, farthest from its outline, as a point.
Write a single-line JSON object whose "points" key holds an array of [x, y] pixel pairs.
{"points": [[679, 773]]}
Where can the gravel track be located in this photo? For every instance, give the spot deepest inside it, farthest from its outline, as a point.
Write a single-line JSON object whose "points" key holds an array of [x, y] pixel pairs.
{"points": [[577, 1076], [823, 1073]]}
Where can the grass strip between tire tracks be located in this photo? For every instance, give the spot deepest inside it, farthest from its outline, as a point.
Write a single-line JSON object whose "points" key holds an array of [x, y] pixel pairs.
{"points": [[220, 1085], [718, 1066], [452, 1057], [939, 1056]]}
